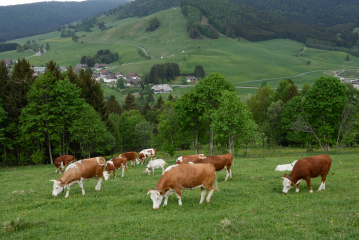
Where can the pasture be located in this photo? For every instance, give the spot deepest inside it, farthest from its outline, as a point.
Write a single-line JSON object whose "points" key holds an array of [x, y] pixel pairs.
{"points": [[251, 205], [246, 64]]}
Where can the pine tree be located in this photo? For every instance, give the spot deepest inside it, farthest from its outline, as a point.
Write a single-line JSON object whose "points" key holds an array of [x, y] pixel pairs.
{"points": [[130, 103], [150, 98], [4, 78], [170, 98], [92, 93], [146, 108], [72, 76], [113, 106], [158, 104], [22, 71], [54, 70], [347, 58]]}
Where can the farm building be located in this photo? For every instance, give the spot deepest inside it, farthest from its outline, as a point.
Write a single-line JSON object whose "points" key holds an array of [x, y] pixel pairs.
{"points": [[39, 69], [192, 79], [161, 88], [133, 82], [99, 66]]}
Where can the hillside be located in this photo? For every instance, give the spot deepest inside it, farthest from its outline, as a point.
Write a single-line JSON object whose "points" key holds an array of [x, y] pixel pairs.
{"points": [[24, 20], [244, 63]]}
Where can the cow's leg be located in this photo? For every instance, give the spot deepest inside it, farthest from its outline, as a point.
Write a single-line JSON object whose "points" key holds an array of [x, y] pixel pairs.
{"points": [[153, 171], [211, 189], [56, 170], [123, 171], [322, 185], [227, 173], [68, 191], [82, 187], [309, 185], [114, 172], [98, 186], [298, 182], [230, 173], [61, 166], [179, 192], [203, 194], [167, 194]]}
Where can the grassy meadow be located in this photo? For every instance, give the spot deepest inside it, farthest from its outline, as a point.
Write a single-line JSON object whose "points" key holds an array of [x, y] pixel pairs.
{"points": [[250, 206], [244, 63]]}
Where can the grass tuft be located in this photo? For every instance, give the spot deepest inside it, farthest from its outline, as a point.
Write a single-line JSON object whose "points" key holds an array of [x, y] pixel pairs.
{"points": [[20, 224]]}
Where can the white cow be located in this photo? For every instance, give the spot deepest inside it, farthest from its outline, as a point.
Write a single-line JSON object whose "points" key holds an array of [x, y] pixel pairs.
{"points": [[153, 164], [285, 167]]}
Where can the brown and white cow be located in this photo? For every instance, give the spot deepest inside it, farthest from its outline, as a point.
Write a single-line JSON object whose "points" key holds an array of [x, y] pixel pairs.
{"points": [[189, 158], [131, 156], [146, 154], [79, 171], [220, 162], [62, 161], [113, 164], [305, 169], [184, 176]]}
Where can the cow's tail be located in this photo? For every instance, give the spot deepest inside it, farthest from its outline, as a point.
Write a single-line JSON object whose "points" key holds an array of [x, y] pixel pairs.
{"points": [[102, 159]]}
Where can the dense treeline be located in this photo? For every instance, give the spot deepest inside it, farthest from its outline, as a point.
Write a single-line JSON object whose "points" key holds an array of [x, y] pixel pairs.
{"points": [[24, 20], [160, 72], [4, 47], [102, 56], [317, 14], [238, 20]]}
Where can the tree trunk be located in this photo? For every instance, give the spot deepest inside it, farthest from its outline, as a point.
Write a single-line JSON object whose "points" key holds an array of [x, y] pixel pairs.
{"points": [[50, 152], [4, 150], [196, 141], [230, 144], [211, 143]]}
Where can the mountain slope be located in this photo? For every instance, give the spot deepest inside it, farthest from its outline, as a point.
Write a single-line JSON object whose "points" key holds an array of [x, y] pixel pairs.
{"points": [[19, 21]]}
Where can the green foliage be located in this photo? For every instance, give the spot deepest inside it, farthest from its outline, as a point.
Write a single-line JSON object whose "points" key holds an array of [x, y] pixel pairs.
{"points": [[167, 127], [153, 24], [183, 81], [75, 38], [121, 83], [113, 106], [143, 133], [347, 58], [286, 91], [102, 56], [305, 89], [127, 126], [130, 103], [163, 71], [199, 72], [259, 103]]}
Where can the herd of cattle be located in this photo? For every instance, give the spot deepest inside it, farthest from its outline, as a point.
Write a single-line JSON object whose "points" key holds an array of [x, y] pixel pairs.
{"points": [[189, 172]]}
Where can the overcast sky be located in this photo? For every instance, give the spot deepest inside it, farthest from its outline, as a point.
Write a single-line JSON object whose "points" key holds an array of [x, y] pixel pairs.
{"points": [[15, 2]]}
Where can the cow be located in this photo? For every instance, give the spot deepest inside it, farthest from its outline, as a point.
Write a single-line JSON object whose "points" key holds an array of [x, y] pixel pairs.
{"points": [[131, 156], [79, 171], [62, 161], [114, 164], [145, 154], [305, 169], [184, 176], [220, 162], [153, 164], [189, 158], [285, 167]]}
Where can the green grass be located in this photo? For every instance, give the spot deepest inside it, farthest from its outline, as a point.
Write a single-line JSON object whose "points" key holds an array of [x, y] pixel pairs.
{"points": [[249, 206], [246, 64]]}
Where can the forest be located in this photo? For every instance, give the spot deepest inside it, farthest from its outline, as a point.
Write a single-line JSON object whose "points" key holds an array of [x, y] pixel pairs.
{"points": [[72, 116], [102, 56], [18, 21]]}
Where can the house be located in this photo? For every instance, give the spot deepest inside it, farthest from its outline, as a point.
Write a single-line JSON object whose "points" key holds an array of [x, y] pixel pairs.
{"points": [[99, 66], [133, 82], [77, 70], [7, 62], [35, 75], [105, 73], [192, 79], [356, 84], [118, 75], [14, 61], [96, 76], [161, 88], [131, 75], [39, 70], [110, 78], [63, 69], [81, 66]]}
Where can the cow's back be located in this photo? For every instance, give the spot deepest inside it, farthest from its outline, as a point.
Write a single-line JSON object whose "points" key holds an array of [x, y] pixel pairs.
{"points": [[129, 155], [219, 161], [190, 158], [189, 175], [86, 168], [63, 158], [312, 166], [118, 161]]}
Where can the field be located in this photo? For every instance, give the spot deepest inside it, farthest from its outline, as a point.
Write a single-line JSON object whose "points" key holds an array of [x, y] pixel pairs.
{"points": [[246, 64], [251, 205]]}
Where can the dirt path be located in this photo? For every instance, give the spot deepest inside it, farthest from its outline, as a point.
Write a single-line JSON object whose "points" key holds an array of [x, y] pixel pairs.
{"points": [[141, 48], [38, 54], [300, 54]]}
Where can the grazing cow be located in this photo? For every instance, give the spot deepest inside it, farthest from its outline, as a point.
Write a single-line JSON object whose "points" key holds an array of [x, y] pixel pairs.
{"points": [[62, 161], [79, 171], [305, 169], [145, 154], [153, 164], [184, 176], [220, 162], [189, 158], [285, 167], [131, 156], [114, 164]]}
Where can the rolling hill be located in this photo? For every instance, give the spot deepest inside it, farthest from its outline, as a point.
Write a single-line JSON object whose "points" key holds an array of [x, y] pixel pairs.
{"points": [[244, 63]]}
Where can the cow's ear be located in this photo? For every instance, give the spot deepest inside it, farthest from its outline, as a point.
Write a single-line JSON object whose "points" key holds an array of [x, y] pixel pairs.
{"points": [[285, 175], [52, 180], [282, 177]]}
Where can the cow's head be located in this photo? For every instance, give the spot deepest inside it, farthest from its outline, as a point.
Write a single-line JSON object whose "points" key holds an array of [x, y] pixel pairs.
{"points": [[108, 168], [287, 184], [156, 197], [106, 175], [58, 187], [147, 171]]}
